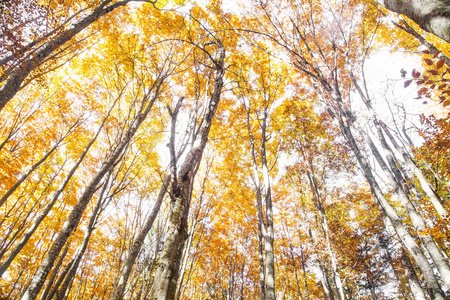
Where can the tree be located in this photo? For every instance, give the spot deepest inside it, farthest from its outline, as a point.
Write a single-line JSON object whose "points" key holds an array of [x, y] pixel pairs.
{"points": [[17, 66], [431, 16]]}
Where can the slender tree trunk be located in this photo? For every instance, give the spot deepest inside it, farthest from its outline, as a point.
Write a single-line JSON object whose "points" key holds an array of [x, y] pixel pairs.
{"points": [[291, 254], [269, 234], [304, 272], [75, 215], [432, 16], [400, 229], [434, 199], [405, 27], [137, 244], [67, 277], [34, 167], [417, 221], [413, 280], [325, 282], [5, 265], [323, 222], [396, 181]]}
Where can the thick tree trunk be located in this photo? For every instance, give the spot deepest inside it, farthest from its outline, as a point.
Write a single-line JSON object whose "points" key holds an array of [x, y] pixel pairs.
{"points": [[75, 215], [166, 276], [164, 287], [431, 15]]}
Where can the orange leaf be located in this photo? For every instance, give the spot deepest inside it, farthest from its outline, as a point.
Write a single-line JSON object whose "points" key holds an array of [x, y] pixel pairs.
{"points": [[422, 91], [440, 63]]}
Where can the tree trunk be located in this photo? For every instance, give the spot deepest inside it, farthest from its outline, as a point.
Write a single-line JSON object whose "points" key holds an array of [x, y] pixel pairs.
{"points": [[75, 215], [431, 15], [5, 265], [269, 235], [323, 222], [396, 181], [400, 229], [164, 287], [434, 199], [137, 244], [417, 221], [13, 81]]}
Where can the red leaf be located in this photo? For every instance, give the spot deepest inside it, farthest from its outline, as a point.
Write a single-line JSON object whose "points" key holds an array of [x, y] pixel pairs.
{"points": [[436, 54], [433, 72], [415, 74], [428, 61], [407, 83]]}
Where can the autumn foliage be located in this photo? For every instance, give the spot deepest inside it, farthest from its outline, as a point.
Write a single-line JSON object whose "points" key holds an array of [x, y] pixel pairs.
{"points": [[219, 150]]}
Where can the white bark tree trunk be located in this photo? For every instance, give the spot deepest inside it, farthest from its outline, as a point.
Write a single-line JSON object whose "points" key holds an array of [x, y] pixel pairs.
{"points": [[431, 15]]}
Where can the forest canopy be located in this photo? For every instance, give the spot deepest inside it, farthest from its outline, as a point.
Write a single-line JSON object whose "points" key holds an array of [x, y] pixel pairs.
{"points": [[168, 149]]}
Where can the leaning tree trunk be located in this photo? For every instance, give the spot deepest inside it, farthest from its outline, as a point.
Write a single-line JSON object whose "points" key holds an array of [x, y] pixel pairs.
{"points": [[433, 197], [14, 252], [74, 217], [180, 190], [324, 224], [416, 219], [137, 244], [394, 178], [431, 15], [409, 242], [13, 79]]}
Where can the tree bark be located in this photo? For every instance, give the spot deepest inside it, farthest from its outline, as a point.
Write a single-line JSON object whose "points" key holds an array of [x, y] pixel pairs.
{"points": [[164, 287], [323, 222], [407, 239], [431, 15], [434, 199]]}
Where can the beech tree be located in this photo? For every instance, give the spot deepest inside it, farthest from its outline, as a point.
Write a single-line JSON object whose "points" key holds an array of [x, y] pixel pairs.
{"points": [[431, 16], [220, 150]]}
